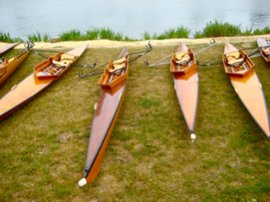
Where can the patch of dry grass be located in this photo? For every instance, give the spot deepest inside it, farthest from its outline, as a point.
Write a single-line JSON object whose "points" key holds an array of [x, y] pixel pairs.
{"points": [[150, 156]]}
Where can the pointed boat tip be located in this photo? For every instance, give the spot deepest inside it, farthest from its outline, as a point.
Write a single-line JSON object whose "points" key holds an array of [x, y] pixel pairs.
{"points": [[82, 182], [192, 137], [86, 45]]}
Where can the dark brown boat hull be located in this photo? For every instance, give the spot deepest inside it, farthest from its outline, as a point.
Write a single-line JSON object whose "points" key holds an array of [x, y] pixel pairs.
{"points": [[106, 113]]}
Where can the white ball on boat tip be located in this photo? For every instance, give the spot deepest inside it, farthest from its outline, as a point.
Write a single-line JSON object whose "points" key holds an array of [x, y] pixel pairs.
{"points": [[82, 182], [193, 136]]}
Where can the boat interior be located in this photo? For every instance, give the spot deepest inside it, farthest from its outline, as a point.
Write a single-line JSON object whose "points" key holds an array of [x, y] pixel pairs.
{"points": [[115, 72], [55, 66], [237, 63], [266, 51], [182, 61]]}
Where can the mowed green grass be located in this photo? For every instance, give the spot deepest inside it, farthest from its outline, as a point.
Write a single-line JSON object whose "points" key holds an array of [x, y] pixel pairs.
{"points": [[150, 156]]}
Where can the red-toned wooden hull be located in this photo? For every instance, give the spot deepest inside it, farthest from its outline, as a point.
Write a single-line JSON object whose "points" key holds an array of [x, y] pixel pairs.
{"points": [[106, 112]]}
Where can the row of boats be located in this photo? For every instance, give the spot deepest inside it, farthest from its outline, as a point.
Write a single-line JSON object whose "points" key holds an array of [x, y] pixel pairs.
{"points": [[183, 66]]}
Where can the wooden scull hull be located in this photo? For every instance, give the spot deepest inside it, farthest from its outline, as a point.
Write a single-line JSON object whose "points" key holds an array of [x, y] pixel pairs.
{"points": [[250, 92], [30, 87], [13, 63], [262, 45], [106, 112], [187, 91]]}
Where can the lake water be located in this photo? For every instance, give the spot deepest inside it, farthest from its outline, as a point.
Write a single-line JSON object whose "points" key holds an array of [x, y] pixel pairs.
{"points": [[23, 17]]}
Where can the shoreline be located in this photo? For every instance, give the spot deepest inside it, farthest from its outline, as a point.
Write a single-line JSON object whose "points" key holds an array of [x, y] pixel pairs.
{"points": [[104, 43]]}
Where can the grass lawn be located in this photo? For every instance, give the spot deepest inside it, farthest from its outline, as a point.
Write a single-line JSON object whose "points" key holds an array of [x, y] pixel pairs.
{"points": [[150, 156]]}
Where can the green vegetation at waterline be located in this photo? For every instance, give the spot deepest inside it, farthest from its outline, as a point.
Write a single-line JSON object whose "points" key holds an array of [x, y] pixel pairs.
{"points": [[5, 37], [265, 30], [38, 37], [212, 29], [218, 29], [150, 156], [93, 34], [179, 32]]}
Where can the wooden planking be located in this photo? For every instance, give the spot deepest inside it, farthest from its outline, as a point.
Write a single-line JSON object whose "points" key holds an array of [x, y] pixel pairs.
{"points": [[27, 89]]}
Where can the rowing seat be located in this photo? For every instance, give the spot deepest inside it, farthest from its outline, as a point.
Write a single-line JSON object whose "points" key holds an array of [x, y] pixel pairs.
{"points": [[182, 58], [234, 58], [43, 73], [266, 51], [59, 64], [67, 57], [118, 65]]}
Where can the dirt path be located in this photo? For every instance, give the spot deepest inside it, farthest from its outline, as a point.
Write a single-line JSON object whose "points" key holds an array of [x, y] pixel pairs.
{"points": [[115, 44]]}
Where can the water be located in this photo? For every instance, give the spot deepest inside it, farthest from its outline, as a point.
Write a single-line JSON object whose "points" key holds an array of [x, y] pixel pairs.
{"points": [[23, 17]]}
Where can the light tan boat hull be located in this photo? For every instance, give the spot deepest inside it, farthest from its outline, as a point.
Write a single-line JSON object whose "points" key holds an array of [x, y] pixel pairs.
{"points": [[27, 89], [12, 65], [186, 85], [187, 90], [250, 92]]}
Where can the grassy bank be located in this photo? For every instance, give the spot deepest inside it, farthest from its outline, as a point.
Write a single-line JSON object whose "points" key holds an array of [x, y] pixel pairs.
{"points": [[212, 29], [150, 156]]}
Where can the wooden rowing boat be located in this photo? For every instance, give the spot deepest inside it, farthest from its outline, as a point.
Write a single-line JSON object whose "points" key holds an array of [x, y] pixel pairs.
{"points": [[7, 67], [6, 48], [44, 75], [113, 85], [184, 69], [240, 69], [264, 47]]}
